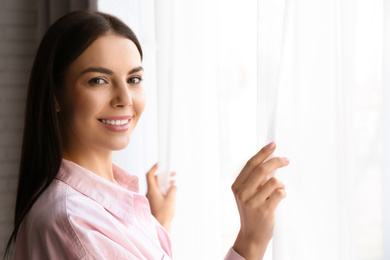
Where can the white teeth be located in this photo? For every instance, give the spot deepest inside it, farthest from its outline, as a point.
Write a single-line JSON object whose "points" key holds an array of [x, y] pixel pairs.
{"points": [[115, 122]]}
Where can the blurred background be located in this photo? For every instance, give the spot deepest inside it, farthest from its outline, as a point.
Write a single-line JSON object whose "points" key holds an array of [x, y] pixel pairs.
{"points": [[222, 79]]}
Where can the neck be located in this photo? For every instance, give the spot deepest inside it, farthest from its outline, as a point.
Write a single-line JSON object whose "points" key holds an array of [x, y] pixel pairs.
{"points": [[98, 162]]}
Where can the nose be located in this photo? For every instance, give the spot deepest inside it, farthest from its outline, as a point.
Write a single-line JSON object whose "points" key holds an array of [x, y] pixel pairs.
{"points": [[122, 96]]}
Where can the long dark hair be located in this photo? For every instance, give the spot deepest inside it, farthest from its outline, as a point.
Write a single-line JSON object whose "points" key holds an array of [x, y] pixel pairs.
{"points": [[43, 141]]}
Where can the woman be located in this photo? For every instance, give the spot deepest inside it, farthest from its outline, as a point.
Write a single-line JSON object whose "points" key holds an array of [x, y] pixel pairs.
{"points": [[84, 100]]}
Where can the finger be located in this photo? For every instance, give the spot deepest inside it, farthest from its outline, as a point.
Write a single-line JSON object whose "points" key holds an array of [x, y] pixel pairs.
{"points": [[276, 198], [171, 193], [261, 172], [268, 189], [151, 178], [253, 162], [172, 176]]}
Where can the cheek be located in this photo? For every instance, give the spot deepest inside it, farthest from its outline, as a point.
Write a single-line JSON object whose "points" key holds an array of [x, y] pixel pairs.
{"points": [[139, 103], [89, 107], [83, 107]]}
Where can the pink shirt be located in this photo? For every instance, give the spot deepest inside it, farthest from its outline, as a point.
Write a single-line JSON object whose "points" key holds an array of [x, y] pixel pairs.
{"points": [[83, 216]]}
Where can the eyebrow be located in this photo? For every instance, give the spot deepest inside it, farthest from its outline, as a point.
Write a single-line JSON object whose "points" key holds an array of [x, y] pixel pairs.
{"points": [[110, 72]]}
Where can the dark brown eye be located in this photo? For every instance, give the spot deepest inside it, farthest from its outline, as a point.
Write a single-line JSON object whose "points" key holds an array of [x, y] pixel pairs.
{"points": [[97, 81], [135, 80]]}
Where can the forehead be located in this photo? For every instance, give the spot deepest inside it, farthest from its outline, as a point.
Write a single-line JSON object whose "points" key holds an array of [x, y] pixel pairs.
{"points": [[110, 51]]}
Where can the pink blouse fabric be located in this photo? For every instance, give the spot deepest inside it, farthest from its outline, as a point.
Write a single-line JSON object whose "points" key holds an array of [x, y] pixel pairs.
{"points": [[83, 216]]}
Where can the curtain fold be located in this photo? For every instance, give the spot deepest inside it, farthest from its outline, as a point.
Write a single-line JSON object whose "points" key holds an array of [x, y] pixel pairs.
{"points": [[165, 17], [386, 129], [272, 20]]}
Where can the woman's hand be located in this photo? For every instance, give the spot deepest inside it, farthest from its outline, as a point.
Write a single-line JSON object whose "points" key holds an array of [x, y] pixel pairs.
{"points": [[257, 204], [162, 206]]}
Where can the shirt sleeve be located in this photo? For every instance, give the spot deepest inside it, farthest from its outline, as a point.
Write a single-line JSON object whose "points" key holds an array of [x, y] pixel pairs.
{"points": [[233, 255]]}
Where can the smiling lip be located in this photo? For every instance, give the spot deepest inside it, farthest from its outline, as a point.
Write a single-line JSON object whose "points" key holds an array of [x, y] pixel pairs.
{"points": [[117, 128], [116, 118]]}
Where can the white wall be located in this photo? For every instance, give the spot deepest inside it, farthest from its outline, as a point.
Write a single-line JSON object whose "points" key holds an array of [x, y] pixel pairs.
{"points": [[18, 24]]}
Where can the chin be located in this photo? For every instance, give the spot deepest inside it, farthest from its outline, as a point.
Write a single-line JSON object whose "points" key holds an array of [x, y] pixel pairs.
{"points": [[118, 148], [120, 145]]}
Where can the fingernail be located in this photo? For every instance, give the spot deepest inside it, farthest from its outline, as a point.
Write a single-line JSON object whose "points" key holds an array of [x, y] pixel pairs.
{"points": [[271, 145], [286, 160]]}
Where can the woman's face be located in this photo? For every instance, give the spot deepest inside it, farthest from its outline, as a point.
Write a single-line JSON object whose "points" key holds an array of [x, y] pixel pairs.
{"points": [[102, 97]]}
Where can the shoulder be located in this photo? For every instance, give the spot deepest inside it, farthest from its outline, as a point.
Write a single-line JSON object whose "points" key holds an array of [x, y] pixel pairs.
{"points": [[65, 223], [68, 219], [46, 228], [50, 209], [58, 204], [60, 208]]}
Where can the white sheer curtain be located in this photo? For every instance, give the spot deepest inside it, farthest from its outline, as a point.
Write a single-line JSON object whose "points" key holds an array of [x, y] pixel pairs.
{"points": [[213, 119], [327, 65], [386, 130], [329, 124]]}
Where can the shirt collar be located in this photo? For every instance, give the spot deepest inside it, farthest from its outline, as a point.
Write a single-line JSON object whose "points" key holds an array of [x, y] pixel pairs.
{"points": [[118, 199]]}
